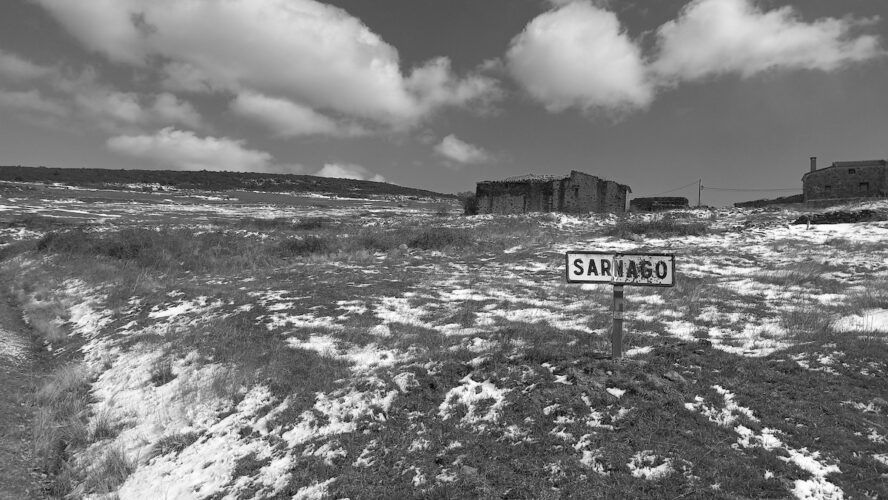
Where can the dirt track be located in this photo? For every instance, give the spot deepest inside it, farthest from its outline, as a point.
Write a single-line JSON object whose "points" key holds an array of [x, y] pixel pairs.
{"points": [[18, 377]]}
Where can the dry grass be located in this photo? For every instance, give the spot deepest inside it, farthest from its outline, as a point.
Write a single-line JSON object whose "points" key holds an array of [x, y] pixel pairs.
{"points": [[107, 474], [61, 416], [667, 225]]}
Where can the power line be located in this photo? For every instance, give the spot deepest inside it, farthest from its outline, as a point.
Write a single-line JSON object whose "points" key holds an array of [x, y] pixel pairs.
{"points": [[744, 189], [676, 189]]}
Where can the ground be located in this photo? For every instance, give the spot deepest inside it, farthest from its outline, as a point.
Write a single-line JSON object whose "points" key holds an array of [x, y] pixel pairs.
{"points": [[293, 347], [19, 372]]}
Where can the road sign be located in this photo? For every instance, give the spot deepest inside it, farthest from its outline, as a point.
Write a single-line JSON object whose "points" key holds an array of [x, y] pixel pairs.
{"points": [[619, 269], [649, 269]]}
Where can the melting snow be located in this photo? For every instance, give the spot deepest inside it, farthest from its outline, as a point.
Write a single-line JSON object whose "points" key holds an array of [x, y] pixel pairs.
{"points": [[469, 394], [642, 466]]}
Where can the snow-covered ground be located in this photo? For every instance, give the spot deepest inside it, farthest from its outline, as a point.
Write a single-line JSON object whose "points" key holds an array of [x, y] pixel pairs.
{"points": [[747, 292]]}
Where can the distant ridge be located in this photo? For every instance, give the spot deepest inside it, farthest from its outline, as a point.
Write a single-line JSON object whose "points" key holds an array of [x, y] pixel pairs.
{"points": [[99, 178]]}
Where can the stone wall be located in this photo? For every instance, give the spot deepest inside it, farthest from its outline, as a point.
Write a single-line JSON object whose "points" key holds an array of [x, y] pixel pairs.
{"points": [[577, 193], [847, 180], [653, 204]]}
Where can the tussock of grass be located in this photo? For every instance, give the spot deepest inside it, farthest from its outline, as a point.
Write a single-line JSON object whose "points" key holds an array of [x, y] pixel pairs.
{"points": [[108, 474], [102, 427], [61, 416], [666, 226], [309, 245], [162, 371], [173, 444]]}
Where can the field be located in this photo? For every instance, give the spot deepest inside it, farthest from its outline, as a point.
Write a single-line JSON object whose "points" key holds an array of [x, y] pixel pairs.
{"points": [[320, 348]]}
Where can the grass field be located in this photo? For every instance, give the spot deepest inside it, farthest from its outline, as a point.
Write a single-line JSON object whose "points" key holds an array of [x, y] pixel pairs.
{"points": [[288, 351]]}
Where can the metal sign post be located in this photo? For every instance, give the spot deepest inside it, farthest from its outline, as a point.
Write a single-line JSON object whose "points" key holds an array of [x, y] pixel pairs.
{"points": [[618, 269], [617, 333]]}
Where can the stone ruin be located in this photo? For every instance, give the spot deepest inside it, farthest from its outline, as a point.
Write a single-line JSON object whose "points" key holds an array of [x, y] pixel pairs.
{"points": [[575, 193]]}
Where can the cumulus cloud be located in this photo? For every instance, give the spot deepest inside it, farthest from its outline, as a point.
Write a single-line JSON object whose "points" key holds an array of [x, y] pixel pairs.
{"points": [[289, 119], [348, 171], [184, 150], [457, 150], [305, 51], [13, 67], [578, 55], [716, 37]]}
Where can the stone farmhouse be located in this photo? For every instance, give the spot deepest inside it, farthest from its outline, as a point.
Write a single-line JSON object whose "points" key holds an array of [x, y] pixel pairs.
{"points": [[575, 193], [846, 179]]}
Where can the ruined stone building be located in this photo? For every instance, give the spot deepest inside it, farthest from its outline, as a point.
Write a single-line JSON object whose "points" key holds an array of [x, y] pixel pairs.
{"points": [[656, 204], [575, 193], [846, 179]]}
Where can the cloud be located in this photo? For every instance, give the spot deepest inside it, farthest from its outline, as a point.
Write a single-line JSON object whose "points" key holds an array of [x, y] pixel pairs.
{"points": [[13, 67], [113, 110], [717, 37], [184, 150], [289, 119], [305, 51], [169, 109], [578, 56], [460, 151], [32, 102], [348, 171]]}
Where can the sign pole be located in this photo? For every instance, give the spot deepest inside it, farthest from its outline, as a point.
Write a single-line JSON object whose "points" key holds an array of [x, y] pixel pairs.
{"points": [[617, 334], [619, 269]]}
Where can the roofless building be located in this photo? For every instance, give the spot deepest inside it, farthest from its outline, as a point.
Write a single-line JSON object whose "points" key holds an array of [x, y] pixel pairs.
{"points": [[575, 193]]}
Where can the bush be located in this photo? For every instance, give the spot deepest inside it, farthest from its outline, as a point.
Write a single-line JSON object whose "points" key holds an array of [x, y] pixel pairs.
{"points": [[308, 245], [469, 203], [661, 226], [439, 238]]}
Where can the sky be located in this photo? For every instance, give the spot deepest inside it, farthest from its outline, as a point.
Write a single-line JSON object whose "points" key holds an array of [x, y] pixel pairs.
{"points": [[441, 94]]}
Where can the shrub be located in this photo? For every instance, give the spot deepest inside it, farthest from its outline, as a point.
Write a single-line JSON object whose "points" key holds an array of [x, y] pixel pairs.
{"points": [[439, 238], [308, 245], [659, 227], [469, 203]]}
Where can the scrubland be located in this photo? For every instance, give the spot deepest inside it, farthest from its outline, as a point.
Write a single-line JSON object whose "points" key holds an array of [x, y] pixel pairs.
{"points": [[249, 351]]}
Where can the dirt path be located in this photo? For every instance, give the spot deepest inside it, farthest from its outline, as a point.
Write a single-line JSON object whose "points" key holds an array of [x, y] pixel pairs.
{"points": [[18, 378]]}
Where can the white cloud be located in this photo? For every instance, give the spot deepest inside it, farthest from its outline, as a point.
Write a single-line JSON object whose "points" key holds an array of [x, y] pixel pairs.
{"points": [[305, 51], [288, 119], [460, 151], [168, 109], [15, 68], [716, 37], [185, 151], [578, 55], [113, 110], [32, 102], [348, 171]]}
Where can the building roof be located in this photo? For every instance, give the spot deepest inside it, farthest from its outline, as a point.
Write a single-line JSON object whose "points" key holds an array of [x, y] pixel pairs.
{"points": [[848, 164], [864, 163], [533, 178]]}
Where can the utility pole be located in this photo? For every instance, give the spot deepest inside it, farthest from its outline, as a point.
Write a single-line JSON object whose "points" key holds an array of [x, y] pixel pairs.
{"points": [[699, 190]]}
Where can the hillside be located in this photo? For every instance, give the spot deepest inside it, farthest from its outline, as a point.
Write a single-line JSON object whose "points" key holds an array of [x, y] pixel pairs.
{"points": [[259, 351], [209, 181]]}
